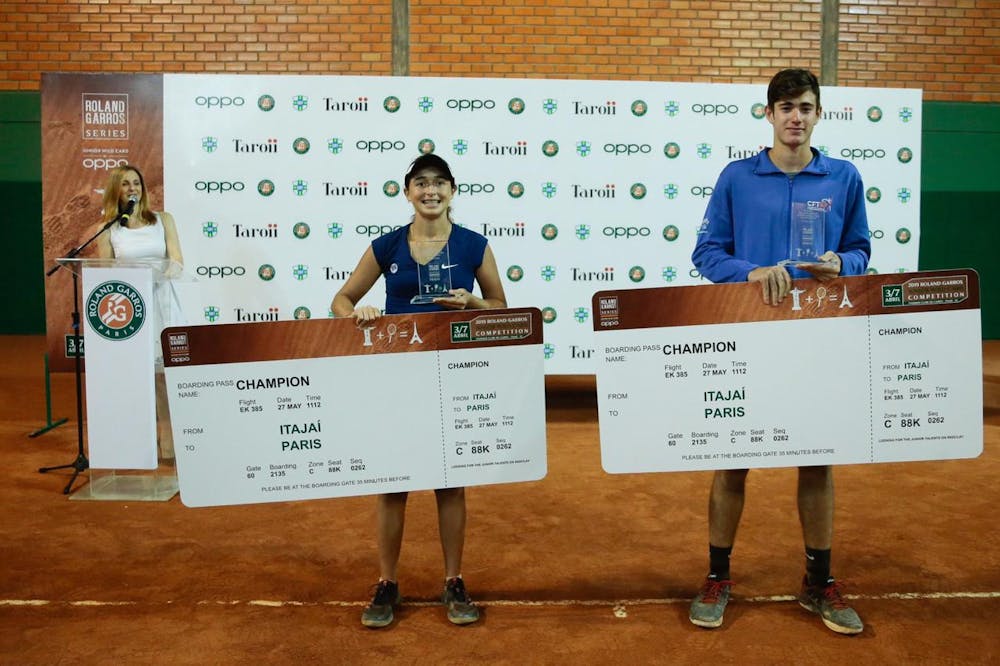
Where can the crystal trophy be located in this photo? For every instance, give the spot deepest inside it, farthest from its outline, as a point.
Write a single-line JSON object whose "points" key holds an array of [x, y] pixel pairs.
{"points": [[433, 278], [807, 236]]}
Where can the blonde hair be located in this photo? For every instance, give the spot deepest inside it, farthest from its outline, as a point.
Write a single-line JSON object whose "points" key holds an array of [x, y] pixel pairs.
{"points": [[111, 204]]}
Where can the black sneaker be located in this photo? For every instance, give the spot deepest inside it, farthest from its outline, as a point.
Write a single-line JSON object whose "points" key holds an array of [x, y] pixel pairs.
{"points": [[379, 611], [461, 610]]}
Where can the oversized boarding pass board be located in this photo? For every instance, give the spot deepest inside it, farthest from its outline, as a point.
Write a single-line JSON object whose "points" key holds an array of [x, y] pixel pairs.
{"points": [[295, 410], [874, 368]]}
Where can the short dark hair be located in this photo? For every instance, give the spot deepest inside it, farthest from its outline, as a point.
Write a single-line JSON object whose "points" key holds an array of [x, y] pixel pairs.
{"points": [[789, 84], [428, 161]]}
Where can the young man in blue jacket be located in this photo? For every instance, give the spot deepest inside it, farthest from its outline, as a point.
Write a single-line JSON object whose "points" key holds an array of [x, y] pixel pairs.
{"points": [[744, 236]]}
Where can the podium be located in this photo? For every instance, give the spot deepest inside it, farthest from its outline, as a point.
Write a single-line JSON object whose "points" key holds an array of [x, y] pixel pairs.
{"points": [[125, 304]]}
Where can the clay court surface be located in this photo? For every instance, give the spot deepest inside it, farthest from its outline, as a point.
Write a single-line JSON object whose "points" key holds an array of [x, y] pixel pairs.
{"points": [[579, 568]]}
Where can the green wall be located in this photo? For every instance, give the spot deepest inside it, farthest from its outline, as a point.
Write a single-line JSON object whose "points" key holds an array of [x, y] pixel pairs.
{"points": [[960, 200]]}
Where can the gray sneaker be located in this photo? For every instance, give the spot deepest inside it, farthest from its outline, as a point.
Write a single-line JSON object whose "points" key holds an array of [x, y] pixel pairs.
{"points": [[379, 611], [461, 610], [710, 604], [827, 601]]}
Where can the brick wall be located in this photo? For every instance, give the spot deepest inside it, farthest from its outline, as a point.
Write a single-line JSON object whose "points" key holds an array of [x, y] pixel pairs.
{"points": [[947, 47]]}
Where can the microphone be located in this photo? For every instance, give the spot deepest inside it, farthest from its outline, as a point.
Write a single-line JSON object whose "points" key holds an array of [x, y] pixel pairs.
{"points": [[123, 218]]}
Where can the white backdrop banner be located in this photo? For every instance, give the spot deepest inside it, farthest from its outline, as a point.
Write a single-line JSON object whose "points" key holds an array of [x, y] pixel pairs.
{"points": [[279, 183]]}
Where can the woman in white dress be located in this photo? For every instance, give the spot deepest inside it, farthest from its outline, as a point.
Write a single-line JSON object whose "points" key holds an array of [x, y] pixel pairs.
{"points": [[145, 234]]}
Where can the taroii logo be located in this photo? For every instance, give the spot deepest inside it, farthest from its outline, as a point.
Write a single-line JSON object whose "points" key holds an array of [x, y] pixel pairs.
{"points": [[549, 314], [734, 153], [210, 229], [582, 231], [209, 144], [359, 104], [300, 272], [904, 155], [905, 114], [671, 108], [550, 106], [583, 148], [639, 108], [302, 312], [265, 103], [391, 104], [265, 188], [671, 233], [904, 194], [549, 190], [605, 275], [874, 114], [518, 148], [638, 191], [331, 273], [502, 231], [672, 150], [669, 273], [269, 146], [670, 191], [301, 145], [873, 195], [549, 231], [548, 350], [115, 310], [249, 315], [359, 189], [548, 273], [425, 146], [300, 102], [266, 272], [515, 273], [425, 104], [758, 110], [824, 205], [609, 108], [581, 315], [335, 145], [847, 113], [637, 274], [606, 192], [516, 106], [105, 116], [245, 231], [335, 230], [515, 189], [300, 187], [704, 150], [460, 146], [903, 235], [390, 188], [300, 230], [212, 313]]}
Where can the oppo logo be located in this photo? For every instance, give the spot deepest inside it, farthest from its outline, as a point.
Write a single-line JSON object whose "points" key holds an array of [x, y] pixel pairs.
{"points": [[102, 164], [702, 191], [219, 102], [627, 148], [470, 104], [876, 234], [714, 109], [220, 186], [374, 229], [475, 188], [862, 153], [221, 271], [626, 232], [379, 145]]}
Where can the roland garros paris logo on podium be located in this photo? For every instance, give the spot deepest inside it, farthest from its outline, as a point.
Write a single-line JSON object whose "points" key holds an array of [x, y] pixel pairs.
{"points": [[115, 310]]}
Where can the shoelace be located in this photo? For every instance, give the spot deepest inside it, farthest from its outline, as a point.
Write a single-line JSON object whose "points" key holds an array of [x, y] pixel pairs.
{"points": [[383, 593], [712, 590], [833, 595], [457, 589]]}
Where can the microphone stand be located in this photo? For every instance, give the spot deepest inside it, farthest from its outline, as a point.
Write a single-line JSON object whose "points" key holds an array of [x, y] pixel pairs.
{"points": [[81, 463]]}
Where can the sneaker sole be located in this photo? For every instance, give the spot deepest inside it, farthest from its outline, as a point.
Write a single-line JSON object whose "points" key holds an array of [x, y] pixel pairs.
{"points": [[377, 624], [706, 624], [833, 626], [462, 620]]}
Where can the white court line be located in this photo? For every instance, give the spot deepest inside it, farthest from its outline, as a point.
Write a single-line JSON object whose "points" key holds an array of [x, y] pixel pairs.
{"points": [[271, 603]]}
